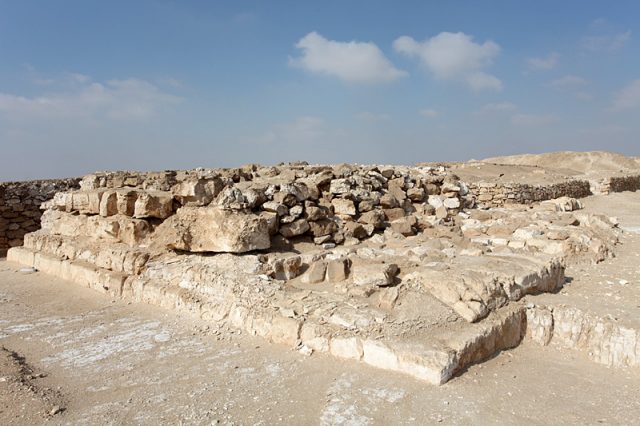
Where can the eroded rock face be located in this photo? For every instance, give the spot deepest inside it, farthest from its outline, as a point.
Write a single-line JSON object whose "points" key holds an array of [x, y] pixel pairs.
{"points": [[215, 230]]}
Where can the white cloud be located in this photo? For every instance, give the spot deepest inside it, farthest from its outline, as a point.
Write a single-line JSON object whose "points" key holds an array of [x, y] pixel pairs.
{"points": [[454, 56], [303, 130], [429, 113], [532, 120], [129, 99], [628, 97], [544, 64], [606, 43], [499, 107], [372, 116], [353, 61], [569, 82]]}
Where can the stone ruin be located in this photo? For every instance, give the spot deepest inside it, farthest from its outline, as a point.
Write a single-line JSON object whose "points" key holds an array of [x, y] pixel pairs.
{"points": [[393, 266]]}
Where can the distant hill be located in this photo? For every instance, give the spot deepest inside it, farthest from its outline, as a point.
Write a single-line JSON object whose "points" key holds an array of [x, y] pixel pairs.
{"points": [[581, 162]]}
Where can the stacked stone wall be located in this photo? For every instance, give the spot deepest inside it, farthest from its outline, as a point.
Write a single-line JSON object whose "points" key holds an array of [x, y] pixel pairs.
{"points": [[20, 207], [491, 194]]}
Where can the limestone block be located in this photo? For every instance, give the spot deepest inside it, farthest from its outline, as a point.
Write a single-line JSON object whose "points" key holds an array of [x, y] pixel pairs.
{"points": [[316, 273], [272, 221], [126, 201], [379, 355], [197, 191], [387, 298], [337, 270], [354, 230], [285, 331], [323, 227], [62, 223], [158, 204], [373, 217], [451, 203], [105, 228], [311, 336], [343, 206], [21, 255], [346, 347], [340, 186], [404, 225], [295, 228], [80, 201], [287, 268], [275, 207], [314, 213], [374, 274], [211, 229], [416, 194], [562, 204], [539, 325], [388, 201], [108, 204], [394, 214]]}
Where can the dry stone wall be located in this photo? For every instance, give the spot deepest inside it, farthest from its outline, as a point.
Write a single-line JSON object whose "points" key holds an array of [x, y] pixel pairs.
{"points": [[492, 194], [20, 207], [616, 184]]}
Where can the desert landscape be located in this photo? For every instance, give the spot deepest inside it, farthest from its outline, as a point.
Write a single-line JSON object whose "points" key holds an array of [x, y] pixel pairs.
{"points": [[498, 290]]}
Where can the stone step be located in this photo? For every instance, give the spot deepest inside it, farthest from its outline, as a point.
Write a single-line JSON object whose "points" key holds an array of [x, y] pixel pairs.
{"points": [[602, 339], [433, 355], [113, 256]]}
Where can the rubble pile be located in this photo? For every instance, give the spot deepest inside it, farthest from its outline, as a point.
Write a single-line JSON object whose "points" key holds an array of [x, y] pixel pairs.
{"points": [[392, 266]]}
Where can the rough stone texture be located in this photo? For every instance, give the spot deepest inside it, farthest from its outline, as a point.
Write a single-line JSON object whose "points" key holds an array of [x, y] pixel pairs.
{"points": [[20, 207], [212, 229], [601, 339], [492, 194]]}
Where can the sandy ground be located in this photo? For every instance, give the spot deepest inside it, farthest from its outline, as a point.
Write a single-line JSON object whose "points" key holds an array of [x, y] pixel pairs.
{"points": [[112, 363]]}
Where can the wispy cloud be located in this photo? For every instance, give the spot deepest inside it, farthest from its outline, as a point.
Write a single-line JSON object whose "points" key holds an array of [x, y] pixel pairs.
{"points": [[301, 131], [568, 82], [533, 120], [543, 64], [429, 113], [128, 99], [606, 42], [628, 97], [352, 61], [372, 116], [454, 56], [499, 107]]}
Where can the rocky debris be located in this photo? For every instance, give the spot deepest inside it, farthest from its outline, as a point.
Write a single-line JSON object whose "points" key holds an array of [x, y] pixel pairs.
{"points": [[562, 204]]}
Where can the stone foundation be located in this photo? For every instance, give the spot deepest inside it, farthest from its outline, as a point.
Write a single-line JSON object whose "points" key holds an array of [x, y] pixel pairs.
{"points": [[20, 207], [492, 194]]}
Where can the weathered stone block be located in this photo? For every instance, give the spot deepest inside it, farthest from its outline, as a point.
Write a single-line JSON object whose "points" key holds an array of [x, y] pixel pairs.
{"points": [[214, 230]]}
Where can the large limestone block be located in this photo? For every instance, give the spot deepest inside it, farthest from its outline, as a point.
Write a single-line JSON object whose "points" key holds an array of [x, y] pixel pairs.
{"points": [[197, 191], [117, 228], [210, 229], [375, 274], [158, 204], [126, 201], [62, 223], [21, 255], [108, 204]]}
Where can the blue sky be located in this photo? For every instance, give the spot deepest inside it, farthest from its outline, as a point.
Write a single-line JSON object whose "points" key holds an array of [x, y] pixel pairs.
{"points": [[95, 85]]}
